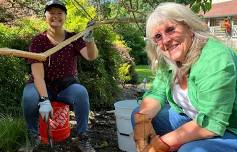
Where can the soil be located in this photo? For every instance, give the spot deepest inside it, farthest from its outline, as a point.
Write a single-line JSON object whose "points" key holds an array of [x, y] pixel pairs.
{"points": [[102, 129]]}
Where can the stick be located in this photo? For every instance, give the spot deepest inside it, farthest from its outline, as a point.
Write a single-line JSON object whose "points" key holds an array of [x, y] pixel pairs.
{"points": [[67, 41], [43, 56], [25, 54], [121, 21], [78, 35]]}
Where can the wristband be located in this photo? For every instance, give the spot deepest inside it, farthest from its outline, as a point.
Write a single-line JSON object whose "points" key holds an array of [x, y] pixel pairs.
{"points": [[164, 142], [42, 99], [171, 148]]}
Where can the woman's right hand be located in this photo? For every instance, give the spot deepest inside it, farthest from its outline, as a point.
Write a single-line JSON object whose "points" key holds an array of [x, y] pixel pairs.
{"points": [[45, 110], [143, 131]]}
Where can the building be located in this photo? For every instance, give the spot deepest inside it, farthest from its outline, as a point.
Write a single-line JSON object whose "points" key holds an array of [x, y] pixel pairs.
{"points": [[222, 9]]}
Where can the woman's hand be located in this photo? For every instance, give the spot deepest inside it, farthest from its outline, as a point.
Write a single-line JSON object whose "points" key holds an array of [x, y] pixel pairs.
{"points": [[88, 36], [157, 145], [45, 110], [190, 131], [143, 131]]}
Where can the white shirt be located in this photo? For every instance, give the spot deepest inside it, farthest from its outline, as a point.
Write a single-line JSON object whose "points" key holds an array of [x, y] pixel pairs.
{"points": [[180, 97]]}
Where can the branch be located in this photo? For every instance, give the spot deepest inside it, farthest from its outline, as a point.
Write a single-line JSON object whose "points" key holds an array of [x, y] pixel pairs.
{"points": [[25, 54], [134, 16], [122, 21], [87, 14], [43, 56]]}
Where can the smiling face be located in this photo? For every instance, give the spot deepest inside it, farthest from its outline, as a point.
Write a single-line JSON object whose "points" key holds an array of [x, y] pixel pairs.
{"points": [[55, 17], [173, 39]]}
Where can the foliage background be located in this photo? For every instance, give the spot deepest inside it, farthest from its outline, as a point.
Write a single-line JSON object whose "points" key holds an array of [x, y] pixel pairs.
{"points": [[101, 77], [121, 48]]}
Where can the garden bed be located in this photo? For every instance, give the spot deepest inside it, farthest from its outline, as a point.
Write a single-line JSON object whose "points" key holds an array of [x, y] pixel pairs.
{"points": [[102, 130]]}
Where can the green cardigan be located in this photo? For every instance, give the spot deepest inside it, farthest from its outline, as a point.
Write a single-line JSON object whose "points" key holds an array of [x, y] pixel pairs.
{"points": [[211, 88]]}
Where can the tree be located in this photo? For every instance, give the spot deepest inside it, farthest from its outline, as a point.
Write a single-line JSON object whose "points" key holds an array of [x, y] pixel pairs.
{"points": [[140, 8], [197, 5]]}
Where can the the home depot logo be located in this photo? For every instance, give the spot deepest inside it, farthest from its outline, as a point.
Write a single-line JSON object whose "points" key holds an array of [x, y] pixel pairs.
{"points": [[60, 117]]}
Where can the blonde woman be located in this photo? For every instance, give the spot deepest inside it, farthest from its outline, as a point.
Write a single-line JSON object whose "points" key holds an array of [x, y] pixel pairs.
{"points": [[192, 103]]}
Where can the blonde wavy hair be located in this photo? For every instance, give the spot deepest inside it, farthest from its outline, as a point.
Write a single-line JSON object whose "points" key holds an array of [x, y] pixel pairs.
{"points": [[176, 13]]}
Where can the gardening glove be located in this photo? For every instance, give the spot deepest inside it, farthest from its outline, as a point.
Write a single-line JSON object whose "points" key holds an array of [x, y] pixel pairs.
{"points": [[157, 145], [143, 131], [45, 109], [88, 36]]}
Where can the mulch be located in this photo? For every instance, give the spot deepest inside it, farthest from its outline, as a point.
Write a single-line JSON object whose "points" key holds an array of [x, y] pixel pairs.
{"points": [[102, 129]]}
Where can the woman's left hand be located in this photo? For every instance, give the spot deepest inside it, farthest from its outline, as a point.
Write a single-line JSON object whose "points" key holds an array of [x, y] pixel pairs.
{"points": [[88, 36]]}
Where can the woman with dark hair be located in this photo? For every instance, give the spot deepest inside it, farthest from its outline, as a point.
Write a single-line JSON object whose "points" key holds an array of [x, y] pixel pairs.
{"points": [[56, 78]]}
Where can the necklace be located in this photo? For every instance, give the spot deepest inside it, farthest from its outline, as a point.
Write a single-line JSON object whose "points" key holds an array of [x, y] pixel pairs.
{"points": [[55, 39]]}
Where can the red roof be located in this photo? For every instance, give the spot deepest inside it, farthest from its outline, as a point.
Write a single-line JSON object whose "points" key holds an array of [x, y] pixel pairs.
{"points": [[222, 9]]}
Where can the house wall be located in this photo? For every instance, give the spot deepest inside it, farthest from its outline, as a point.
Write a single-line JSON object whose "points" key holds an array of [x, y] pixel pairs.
{"points": [[218, 21], [219, 1], [216, 29]]}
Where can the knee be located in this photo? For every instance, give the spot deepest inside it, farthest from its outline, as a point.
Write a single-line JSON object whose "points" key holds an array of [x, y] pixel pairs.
{"points": [[185, 148], [79, 90], [79, 95], [132, 116], [190, 147]]}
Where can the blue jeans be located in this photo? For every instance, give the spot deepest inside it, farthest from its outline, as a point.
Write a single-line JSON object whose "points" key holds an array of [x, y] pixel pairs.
{"points": [[74, 95], [168, 120]]}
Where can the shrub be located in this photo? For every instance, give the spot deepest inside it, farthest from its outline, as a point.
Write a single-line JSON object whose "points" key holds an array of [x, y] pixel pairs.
{"points": [[13, 70], [101, 76], [127, 73], [12, 77], [19, 35], [134, 39], [133, 74], [124, 73], [13, 133]]}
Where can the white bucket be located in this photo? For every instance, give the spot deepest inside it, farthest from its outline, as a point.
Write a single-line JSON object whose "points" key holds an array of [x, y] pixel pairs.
{"points": [[123, 111]]}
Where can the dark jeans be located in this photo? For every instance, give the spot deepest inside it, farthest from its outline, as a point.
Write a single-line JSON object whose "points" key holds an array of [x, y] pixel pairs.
{"points": [[168, 120]]}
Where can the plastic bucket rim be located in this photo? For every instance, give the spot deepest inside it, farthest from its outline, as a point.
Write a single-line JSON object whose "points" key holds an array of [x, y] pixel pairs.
{"points": [[117, 106]]}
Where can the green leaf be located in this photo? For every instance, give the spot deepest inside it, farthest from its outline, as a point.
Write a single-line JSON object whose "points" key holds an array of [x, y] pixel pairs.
{"points": [[196, 7]]}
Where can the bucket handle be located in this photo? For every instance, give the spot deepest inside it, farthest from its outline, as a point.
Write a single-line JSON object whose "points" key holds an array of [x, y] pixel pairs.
{"points": [[123, 134], [129, 133]]}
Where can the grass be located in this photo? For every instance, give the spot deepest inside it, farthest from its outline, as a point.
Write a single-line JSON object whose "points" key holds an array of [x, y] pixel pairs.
{"points": [[12, 134], [143, 72]]}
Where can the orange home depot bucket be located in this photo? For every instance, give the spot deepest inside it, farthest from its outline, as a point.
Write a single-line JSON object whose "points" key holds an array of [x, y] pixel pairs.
{"points": [[59, 127]]}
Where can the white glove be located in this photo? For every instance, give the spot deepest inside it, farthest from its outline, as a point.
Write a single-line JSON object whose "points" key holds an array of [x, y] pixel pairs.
{"points": [[45, 109], [88, 36]]}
